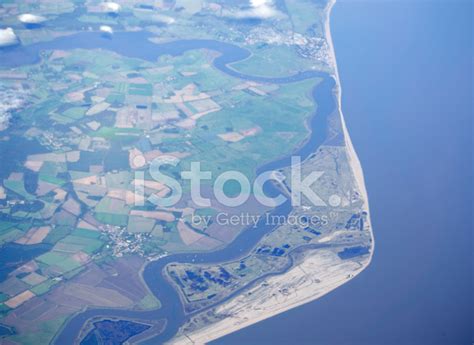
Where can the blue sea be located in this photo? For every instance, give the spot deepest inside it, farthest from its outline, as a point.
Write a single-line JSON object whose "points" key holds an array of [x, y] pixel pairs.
{"points": [[406, 74]]}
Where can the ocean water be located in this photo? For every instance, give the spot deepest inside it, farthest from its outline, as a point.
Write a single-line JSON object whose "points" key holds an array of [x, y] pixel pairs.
{"points": [[406, 75]]}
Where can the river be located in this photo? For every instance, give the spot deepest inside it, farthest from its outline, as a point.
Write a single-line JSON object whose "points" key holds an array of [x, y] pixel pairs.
{"points": [[136, 44]]}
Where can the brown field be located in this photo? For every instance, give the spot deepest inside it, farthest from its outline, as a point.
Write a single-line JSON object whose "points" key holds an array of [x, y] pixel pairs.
{"points": [[251, 131], [29, 267], [59, 54], [188, 236], [97, 108], [33, 165], [158, 188], [160, 215], [257, 91], [34, 235], [13, 286], [205, 107], [133, 198], [234, 137], [88, 181], [73, 156], [136, 159], [231, 137], [125, 117], [165, 116], [179, 154], [72, 206], [19, 299], [44, 188], [75, 96], [115, 284], [85, 225], [16, 176], [187, 123], [48, 157], [81, 257], [63, 217], [117, 194], [138, 80], [60, 194], [97, 295], [151, 155], [89, 218], [34, 278], [207, 243]]}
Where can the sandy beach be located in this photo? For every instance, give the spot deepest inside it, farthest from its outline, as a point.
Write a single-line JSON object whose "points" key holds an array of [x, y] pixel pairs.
{"points": [[351, 153], [264, 301]]}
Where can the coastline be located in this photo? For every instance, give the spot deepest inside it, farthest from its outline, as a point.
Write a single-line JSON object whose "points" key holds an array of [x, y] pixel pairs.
{"points": [[263, 306], [306, 294], [351, 153]]}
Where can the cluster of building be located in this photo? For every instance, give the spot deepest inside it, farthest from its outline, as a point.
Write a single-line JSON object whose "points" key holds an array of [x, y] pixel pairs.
{"points": [[122, 242]]}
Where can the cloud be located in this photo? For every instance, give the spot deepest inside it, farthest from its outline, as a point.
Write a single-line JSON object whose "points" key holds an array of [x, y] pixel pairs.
{"points": [[28, 18], [111, 7], [258, 9], [106, 29], [163, 19], [12, 99], [7, 37], [260, 3]]}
